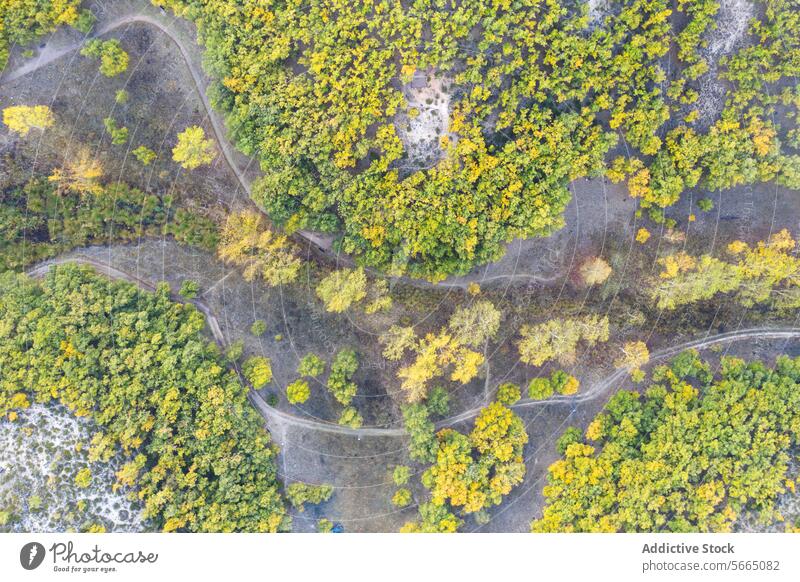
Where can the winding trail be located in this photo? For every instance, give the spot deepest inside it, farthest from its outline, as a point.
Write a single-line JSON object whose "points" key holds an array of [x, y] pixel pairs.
{"points": [[278, 420]]}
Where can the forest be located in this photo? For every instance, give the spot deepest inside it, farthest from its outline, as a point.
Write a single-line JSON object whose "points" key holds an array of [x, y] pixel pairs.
{"points": [[366, 347], [540, 98], [139, 365], [696, 452]]}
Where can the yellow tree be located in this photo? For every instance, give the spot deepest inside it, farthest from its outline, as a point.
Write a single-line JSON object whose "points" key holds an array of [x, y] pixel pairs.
{"points": [[193, 149], [633, 356], [246, 241], [22, 118], [595, 271], [81, 174]]}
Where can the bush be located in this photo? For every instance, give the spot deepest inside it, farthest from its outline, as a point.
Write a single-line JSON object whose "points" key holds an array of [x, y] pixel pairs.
{"points": [[343, 367], [311, 365], [540, 389], [508, 394], [258, 328], [401, 475], [189, 289]]}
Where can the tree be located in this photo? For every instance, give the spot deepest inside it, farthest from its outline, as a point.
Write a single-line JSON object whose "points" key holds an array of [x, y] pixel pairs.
{"points": [[476, 471], [311, 365], [342, 288], [767, 270], [438, 401], [189, 289], [198, 457], [343, 367], [540, 389], [396, 341], [145, 155], [298, 392], [258, 328], [433, 518], [422, 444], [401, 475], [193, 149], [378, 298], [642, 235], [119, 135], [434, 354], [634, 355], [22, 118], [246, 241], [558, 338], [339, 156], [473, 326], [564, 383], [595, 271], [257, 370], [83, 478], [299, 494], [81, 174], [113, 60], [664, 445], [350, 417], [508, 394], [402, 498]]}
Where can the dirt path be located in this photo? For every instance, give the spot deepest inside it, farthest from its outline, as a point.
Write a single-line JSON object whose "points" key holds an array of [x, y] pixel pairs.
{"points": [[200, 84], [278, 421]]}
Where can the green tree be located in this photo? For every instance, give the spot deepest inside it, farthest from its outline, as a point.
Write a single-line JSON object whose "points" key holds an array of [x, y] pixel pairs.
{"points": [[402, 498], [508, 393], [343, 367], [113, 60], [401, 475], [257, 370], [298, 392], [475, 325], [342, 288], [311, 365], [422, 444], [350, 417], [145, 155], [299, 494]]}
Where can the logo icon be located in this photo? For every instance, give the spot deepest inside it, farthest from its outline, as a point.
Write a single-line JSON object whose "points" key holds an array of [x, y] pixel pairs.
{"points": [[31, 555]]}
